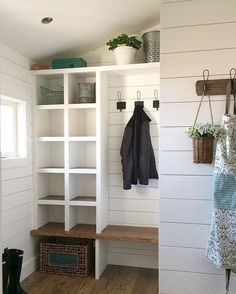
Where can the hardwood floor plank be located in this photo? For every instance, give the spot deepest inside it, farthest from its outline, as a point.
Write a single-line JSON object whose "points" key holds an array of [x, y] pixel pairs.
{"points": [[114, 280]]}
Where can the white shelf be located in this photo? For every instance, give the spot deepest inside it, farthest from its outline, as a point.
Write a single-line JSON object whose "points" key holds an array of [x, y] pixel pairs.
{"points": [[83, 203], [51, 170], [139, 67], [83, 106], [51, 139], [83, 139], [50, 202], [48, 107], [84, 170]]}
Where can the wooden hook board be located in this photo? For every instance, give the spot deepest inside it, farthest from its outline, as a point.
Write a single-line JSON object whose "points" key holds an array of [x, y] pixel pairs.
{"points": [[214, 87]]}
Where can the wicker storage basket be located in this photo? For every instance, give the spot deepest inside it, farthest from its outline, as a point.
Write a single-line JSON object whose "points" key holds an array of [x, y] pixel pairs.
{"points": [[49, 96], [203, 149], [66, 256]]}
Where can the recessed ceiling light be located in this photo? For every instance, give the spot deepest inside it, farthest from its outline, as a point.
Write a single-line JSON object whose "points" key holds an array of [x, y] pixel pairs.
{"points": [[46, 20]]}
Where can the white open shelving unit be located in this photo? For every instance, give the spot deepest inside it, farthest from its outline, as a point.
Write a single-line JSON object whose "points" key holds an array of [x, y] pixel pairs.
{"points": [[71, 155]]}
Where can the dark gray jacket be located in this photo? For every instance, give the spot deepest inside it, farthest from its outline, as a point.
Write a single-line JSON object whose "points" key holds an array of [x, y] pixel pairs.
{"points": [[137, 156]]}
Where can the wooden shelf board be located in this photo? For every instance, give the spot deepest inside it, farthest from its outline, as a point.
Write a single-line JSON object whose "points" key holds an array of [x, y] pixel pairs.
{"points": [[53, 229], [129, 233], [84, 231], [84, 198], [54, 197], [111, 232]]}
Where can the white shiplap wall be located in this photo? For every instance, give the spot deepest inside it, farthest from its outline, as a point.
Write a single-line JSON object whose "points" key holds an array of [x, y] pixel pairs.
{"points": [[17, 179], [195, 34], [138, 206]]}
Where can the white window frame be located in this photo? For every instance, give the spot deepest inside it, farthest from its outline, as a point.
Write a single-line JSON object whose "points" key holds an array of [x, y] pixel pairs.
{"points": [[20, 139]]}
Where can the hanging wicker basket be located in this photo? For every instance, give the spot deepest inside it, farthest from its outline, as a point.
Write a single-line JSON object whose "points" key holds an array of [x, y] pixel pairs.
{"points": [[203, 149], [203, 146]]}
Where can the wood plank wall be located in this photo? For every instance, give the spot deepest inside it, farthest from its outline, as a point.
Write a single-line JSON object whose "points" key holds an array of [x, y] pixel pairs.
{"points": [[195, 34], [138, 206], [17, 181]]}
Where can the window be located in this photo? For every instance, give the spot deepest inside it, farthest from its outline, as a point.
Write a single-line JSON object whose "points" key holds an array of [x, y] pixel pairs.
{"points": [[13, 127]]}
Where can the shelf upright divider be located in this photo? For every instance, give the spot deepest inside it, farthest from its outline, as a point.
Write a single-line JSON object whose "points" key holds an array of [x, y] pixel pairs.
{"points": [[101, 260], [66, 149], [34, 148]]}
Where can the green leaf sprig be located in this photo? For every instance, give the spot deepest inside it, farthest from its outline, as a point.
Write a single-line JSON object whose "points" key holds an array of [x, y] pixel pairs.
{"points": [[124, 39], [203, 130]]}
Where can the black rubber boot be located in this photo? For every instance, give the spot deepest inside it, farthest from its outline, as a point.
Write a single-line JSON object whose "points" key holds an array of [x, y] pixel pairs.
{"points": [[14, 263], [4, 271]]}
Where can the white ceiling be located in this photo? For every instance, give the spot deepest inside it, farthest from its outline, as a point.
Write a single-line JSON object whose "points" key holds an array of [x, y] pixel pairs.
{"points": [[78, 26]]}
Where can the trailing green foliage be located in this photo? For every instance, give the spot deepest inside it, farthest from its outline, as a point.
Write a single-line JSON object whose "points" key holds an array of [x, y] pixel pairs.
{"points": [[203, 130], [124, 39]]}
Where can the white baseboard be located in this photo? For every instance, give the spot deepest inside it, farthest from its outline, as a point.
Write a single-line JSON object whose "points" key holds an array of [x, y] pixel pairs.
{"points": [[29, 267]]}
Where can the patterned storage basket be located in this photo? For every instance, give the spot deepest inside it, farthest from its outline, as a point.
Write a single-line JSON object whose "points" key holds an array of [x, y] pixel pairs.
{"points": [[66, 256], [49, 96]]}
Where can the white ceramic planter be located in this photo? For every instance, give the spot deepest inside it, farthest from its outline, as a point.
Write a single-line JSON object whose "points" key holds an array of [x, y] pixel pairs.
{"points": [[124, 54]]}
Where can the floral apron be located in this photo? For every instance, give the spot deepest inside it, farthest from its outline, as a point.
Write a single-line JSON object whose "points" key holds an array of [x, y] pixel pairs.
{"points": [[221, 249]]}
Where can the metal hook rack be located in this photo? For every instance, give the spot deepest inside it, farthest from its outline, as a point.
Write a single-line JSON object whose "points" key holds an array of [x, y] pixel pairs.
{"points": [[214, 87], [156, 102], [232, 77], [138, 102], [205, 76], [120, 104]]}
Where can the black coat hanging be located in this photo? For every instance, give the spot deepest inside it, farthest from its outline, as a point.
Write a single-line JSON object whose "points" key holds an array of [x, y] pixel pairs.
{"points": [[137, 155]]}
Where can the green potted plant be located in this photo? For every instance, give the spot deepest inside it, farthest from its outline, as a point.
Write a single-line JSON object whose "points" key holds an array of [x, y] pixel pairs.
{"points": [[203, 135], [124, 48]]}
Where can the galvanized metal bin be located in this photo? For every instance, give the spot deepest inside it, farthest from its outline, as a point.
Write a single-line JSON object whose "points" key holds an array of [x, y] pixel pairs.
{"points": [[151, 46]]}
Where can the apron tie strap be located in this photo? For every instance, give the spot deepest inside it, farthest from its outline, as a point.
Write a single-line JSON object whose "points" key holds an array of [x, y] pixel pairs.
{"points": [[230, 89], [227, 276]]}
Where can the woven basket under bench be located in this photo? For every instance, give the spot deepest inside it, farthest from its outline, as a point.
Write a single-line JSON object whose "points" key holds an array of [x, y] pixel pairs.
{"points": [[66, 256]]}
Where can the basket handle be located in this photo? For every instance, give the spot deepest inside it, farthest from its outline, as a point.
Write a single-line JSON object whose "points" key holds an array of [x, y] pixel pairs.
{"points": [[205, 74], [199, 106]]}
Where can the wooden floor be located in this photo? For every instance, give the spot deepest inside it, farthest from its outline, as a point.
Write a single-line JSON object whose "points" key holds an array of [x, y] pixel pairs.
{"points": [[114, 280]]}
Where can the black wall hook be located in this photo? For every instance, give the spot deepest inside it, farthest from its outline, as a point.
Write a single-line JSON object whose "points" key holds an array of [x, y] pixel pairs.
{"points": [[138, 102], [120, 104], [232, 73], [156, 102], [205, 75]]}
